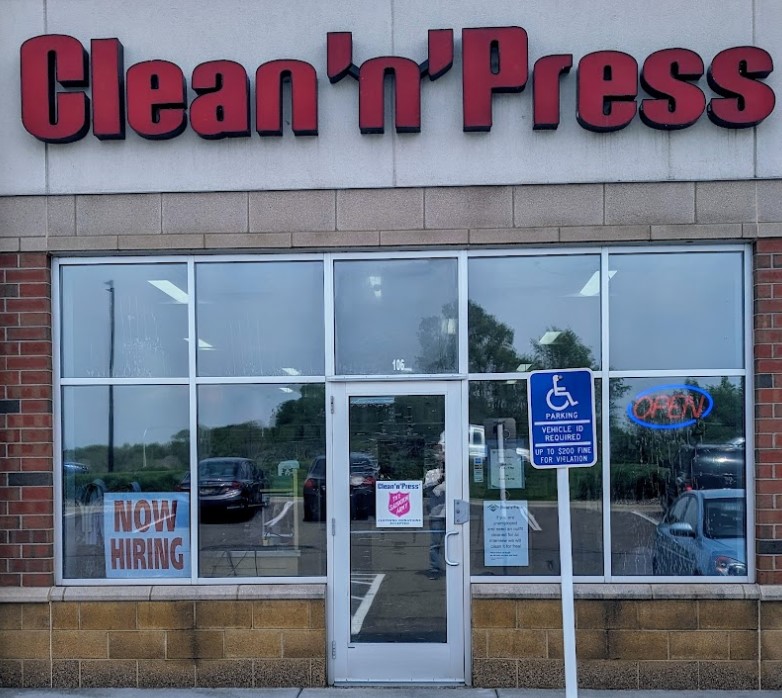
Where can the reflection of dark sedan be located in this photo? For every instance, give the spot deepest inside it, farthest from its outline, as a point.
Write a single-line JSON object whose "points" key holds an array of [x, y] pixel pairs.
{"points": [[705, 467], [363, 474], [703, 533], [229, 484]]}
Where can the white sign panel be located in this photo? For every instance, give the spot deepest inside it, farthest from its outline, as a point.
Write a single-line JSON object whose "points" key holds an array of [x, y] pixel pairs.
{"points": [[399, 504], [505, 534], [509, 141], [146, 534], [513, 477]]}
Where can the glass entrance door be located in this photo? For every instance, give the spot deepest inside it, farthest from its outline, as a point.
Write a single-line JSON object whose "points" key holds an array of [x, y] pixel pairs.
{"points": [[398, 578]]}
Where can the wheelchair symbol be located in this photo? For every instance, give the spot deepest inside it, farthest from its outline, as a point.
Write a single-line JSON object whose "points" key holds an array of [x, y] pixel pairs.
{"points": [[566, 399]]}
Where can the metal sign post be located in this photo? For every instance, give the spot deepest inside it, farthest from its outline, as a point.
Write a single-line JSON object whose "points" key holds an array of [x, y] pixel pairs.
{"points": [[562, 436]]}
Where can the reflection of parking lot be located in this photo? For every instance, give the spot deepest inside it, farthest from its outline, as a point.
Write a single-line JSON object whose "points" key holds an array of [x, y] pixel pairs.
{"points": [[392, 598], [266, 544], [633, 529], [363, 590], [632, 543]]}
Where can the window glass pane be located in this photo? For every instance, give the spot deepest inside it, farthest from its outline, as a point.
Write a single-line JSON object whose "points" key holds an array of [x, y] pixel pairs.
{"points": [[260, 319], [125, 451], [528, 313], [686, 310], [678, 467], [259, 447], [124, 320], [396, 316], [532, 492]]}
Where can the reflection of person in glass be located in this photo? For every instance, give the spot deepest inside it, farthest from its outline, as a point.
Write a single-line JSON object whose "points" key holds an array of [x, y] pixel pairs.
{"points": [[434, 491]]}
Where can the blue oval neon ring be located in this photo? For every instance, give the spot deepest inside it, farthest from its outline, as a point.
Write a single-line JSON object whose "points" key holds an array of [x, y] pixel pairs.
{"points": [[660, 388]]}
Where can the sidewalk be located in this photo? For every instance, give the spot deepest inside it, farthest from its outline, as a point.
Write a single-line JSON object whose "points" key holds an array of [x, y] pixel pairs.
{"points": [[367, 692]]}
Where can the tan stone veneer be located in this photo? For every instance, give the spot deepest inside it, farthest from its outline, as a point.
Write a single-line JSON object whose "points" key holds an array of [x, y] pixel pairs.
{"points": [[695, 637], [171, 642]]}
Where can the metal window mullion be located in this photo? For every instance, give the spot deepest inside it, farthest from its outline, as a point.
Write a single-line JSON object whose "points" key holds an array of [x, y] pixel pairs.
{"points": [[749, 411], [192, 348], [59, 558], [605, 422]]}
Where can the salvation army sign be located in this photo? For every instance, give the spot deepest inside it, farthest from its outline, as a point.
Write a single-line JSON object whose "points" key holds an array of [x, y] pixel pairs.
{"points": [[399, 503], [68, 89]]}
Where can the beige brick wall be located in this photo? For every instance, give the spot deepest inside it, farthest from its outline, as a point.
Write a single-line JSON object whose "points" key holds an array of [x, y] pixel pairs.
{"points": [[228, 643], [683, 644]]}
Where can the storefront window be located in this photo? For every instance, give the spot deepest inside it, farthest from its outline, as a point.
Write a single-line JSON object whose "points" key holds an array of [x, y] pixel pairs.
{"points": [[125, 452], [529, 313], [525, 493], [666, 348], [260, 319], [686, 310], [124, 321], [678, 468], [258, 446], [396, 316]]}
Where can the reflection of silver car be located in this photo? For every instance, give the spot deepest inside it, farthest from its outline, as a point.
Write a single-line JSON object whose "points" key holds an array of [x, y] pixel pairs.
{"points": [[703, 533], [71, 467]]}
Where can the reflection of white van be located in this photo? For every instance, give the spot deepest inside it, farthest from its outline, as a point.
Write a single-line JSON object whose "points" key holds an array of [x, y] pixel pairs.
{"points": [[477, 441]]}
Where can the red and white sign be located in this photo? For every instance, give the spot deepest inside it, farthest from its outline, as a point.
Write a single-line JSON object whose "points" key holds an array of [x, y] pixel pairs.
{"points": [[110, 96], [399, 503]]}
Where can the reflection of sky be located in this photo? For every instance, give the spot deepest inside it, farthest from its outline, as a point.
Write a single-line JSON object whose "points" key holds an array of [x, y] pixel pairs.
{"points": [[676, 311], [223, 405], [379, 307], [150, 327], [142, 414], [533, 294], [259, 319]]}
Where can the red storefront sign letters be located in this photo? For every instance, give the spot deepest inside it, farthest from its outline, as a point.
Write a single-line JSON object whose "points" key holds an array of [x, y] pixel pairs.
{"points": [[66, 91]]}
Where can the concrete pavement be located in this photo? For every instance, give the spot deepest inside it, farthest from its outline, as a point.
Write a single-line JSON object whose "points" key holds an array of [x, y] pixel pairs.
{"points": [[366, 692]]}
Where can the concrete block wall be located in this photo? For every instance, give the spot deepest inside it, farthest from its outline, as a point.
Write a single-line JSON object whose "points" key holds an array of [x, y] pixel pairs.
{"points": [[174, 643], [696, 643]]}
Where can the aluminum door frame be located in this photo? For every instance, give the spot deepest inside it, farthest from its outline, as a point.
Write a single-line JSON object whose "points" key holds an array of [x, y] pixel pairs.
{"points": [[396, 663]]}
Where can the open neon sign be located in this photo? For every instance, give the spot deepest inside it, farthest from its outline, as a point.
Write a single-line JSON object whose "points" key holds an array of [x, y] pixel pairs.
{"points": [[670, 406]]}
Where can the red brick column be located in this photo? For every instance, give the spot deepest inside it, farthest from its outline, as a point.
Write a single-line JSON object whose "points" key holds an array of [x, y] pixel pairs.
{"points": [[26, 435], [768, 409]]}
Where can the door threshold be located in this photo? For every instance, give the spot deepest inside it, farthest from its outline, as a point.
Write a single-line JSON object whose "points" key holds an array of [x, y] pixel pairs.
{"points": [[400, 684]]}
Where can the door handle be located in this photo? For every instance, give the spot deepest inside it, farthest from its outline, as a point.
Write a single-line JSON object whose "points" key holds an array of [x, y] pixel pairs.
{"points": [[445, 548]]}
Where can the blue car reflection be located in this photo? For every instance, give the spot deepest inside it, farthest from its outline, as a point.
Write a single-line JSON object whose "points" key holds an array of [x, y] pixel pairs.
{"points": [[703, 533]]}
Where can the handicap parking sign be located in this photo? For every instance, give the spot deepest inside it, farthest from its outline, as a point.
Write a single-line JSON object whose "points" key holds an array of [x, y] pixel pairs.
{"points": [[562, 418]]}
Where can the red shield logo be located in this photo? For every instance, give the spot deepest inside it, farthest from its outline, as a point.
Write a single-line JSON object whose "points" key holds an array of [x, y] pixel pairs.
{"points": [[399, 503]]}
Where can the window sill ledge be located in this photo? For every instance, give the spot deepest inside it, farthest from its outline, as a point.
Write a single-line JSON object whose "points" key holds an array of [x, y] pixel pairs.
{"points": [[221, 592], [630, 591]]}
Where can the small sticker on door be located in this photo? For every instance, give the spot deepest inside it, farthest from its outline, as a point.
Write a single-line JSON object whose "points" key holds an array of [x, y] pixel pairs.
{"points": [[399, 504]]}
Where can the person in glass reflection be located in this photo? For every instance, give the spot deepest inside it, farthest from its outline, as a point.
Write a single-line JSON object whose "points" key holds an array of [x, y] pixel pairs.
{"points": [[434, 491]]}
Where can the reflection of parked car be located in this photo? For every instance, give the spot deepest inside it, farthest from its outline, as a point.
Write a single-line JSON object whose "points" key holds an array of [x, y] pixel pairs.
{"points": [[71, 467], [229, 484], [704, 467], [703, 533], [363, 474]]}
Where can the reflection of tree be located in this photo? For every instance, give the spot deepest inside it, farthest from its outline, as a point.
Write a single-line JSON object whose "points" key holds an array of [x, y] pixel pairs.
{"points": [[437, 335], [490, 343], [637, 451], [296, 432], [564, 350]]}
